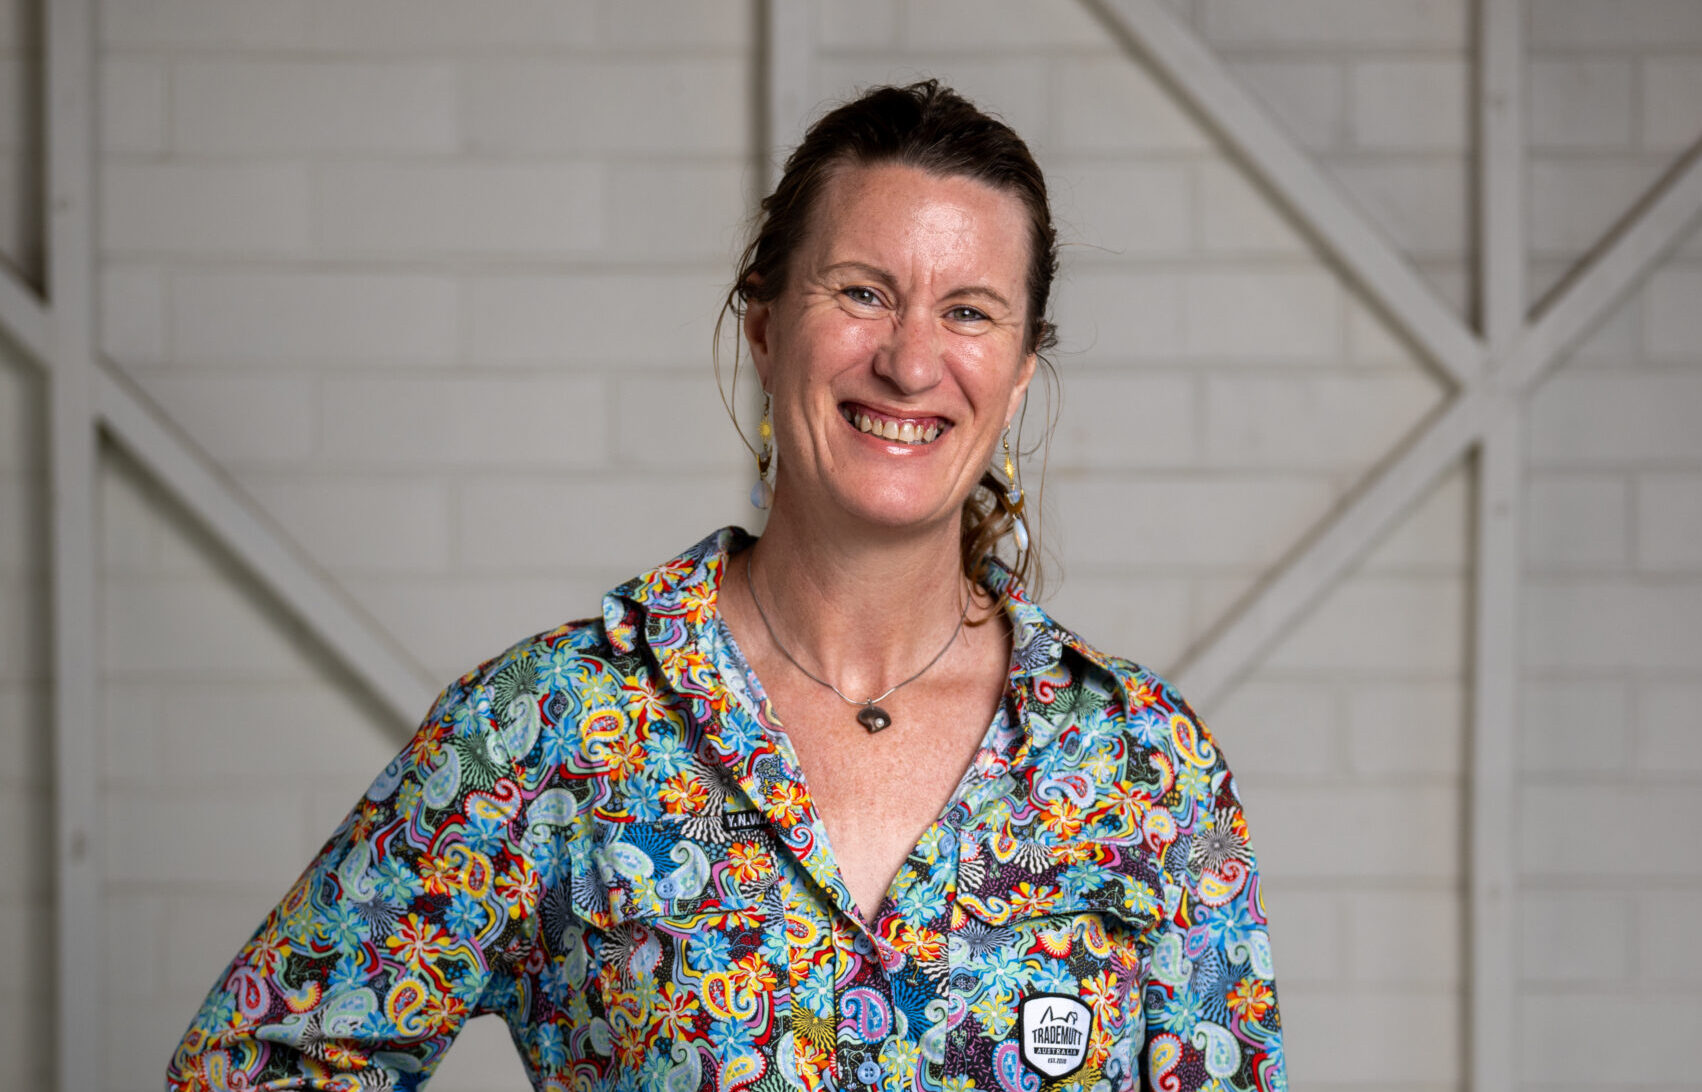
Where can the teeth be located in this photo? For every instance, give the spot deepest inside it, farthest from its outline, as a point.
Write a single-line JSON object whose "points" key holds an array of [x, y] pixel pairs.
{"points": [[906, 432]]}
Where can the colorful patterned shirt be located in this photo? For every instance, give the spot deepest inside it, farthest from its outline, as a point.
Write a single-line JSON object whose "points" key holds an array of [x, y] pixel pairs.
{"points": [[604, 836]]}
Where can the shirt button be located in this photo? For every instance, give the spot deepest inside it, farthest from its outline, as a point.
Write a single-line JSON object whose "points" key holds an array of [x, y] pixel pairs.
{"points": [[862, 946], [869, 1072]]}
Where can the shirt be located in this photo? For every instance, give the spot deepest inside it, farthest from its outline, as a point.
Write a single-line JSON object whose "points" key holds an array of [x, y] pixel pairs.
{"points": [[604, 836]]}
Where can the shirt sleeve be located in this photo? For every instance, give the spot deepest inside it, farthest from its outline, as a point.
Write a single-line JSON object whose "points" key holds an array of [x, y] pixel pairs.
{"points": [[1210, 994], [366, 970]]}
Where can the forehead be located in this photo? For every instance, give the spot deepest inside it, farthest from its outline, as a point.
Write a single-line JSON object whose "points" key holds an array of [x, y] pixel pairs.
{"points": [[895, 216]]}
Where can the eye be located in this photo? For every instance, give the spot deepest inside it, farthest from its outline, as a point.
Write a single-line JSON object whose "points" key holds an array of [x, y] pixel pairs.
{"points": [[864, 295], [965, 313]]}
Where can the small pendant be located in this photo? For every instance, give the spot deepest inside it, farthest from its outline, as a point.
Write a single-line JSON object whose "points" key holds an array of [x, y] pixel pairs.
{"points": [[874, 718]]}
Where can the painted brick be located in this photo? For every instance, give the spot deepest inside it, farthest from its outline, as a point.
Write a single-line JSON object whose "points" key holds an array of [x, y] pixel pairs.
{"points": [[1111, 104], [204, 208], [684, 105], [203, 930], [1236, 217], [1666, 920], [1420, 204], [1615, 340], [458, 208], [1016, 89], [1573, 725], [1609, 832], [1310, 421], [1574, 201], [1669, 522], [1221, 520], [1306, 944], [1262, 316], [1123, 419], [1409, 105], [21, 734], [1598, 624], [1118, 314], [1406, 624], [1405, 729], [215, 836], [868, 26], [668, 421], [193, 625], [1307, 97], [129, 734], [1580, 103], [1022, 26], [1669, 733], [1272, 729], [1577, 522], [1611, 420], [677, 211], [1409, 938], [1359, 1038], [606, 319], [132, 313], [1672, 321], [23, 416], [150, 1031], [134, 941], [1142, 617], [1310, 24], [203, 24], [280, 107], [1123, 209], [126, 518], [1561, 1036], [244, 316], [23, 654], [242, 418], [1672, 102], [23, 535], [1370, 339], [22, 238], [482, 1059], [299, 734], [490, 613], [132, 105], [701, 27], [363, 523], [1574, 936], [530, 421], [1431, 536], [1660, 24], [512, 525], [1357, 832], [449, 26]]}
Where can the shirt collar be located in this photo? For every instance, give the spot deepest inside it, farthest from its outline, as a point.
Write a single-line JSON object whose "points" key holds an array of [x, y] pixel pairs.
{"points": [[677, 600]]}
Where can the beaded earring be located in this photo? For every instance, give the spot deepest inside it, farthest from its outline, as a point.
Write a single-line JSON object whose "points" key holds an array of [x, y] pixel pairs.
{"points": [[1014, 498], [762, 493]]}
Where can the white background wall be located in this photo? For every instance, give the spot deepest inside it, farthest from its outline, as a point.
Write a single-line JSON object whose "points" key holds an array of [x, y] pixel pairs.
{"points": [[435, 281]]}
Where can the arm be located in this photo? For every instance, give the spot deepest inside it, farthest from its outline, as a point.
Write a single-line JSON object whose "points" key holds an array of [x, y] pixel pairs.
{"points": [[385, 946], [1210, 998]]}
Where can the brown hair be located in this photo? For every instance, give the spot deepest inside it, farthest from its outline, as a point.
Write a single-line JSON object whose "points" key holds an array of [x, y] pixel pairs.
{"points": [[933, 128]]}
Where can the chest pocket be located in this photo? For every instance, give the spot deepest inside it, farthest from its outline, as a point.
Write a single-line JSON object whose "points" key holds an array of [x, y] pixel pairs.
{"points": [[1045, 958], [680, 941]]}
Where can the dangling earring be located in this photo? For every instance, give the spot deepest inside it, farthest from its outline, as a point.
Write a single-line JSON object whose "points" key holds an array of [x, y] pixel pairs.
{"points": [[762, 494], [1014, 498]]}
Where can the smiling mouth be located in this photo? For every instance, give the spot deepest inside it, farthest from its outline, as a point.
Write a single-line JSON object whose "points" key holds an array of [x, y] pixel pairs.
{"points": [[912, 431]]}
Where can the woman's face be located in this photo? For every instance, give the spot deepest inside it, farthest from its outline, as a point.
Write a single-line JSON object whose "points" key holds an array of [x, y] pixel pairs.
{"points": [[894, 354]]}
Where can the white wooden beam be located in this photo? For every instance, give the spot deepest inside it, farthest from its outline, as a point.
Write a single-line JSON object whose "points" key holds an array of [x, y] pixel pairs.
{"points": [[23, 314], [1492, 784], [80, 968], [1369, 261], [788, 85], [282, 567]]}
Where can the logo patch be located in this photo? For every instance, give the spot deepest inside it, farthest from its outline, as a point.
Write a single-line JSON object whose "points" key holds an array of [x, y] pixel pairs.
{"points": [[741, 822], [1054, 1030]]}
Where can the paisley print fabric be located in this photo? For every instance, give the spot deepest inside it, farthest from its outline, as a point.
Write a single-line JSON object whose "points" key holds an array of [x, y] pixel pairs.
{"points": [[603, 836]]}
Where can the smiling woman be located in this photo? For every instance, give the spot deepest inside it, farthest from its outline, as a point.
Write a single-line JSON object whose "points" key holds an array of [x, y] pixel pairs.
{"points": [[836, 807]]}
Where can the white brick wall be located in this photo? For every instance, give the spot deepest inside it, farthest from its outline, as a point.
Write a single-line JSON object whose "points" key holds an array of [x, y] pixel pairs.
{"points": [[436, 283]]}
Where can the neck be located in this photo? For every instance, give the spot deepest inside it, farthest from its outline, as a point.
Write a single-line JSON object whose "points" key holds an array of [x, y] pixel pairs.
{"points": [[862, 607]]}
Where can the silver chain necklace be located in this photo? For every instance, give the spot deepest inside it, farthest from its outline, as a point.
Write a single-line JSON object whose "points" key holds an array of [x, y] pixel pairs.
{"points": [[871, 716]]}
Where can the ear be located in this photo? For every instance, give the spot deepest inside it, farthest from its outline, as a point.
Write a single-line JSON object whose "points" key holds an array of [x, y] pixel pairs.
{"points": [[758, 314], [1020, 391]]}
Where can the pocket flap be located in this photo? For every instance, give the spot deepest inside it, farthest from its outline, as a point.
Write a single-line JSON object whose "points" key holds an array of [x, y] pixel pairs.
{"points": [[1004, 881]]}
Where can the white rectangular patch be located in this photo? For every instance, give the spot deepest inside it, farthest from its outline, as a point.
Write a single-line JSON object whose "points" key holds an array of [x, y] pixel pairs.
{"points": [[1054, 1029]]}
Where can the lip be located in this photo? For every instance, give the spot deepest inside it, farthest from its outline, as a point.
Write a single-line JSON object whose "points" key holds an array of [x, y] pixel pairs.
{"points": [[849, 411]]}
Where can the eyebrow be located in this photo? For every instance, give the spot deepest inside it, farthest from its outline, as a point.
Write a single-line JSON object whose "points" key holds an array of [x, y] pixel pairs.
{"points": [[876, 273]]}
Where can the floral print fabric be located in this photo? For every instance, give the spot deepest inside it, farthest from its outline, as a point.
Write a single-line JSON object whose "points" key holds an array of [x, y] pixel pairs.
{"points": [[603, 836]]}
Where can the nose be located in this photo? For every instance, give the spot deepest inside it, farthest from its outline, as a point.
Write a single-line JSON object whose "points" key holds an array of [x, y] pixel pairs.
{"points": [[910, 359]]}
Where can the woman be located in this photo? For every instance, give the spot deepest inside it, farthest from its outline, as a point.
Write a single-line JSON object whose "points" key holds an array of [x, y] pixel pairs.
{"points": [[1013, 859]]}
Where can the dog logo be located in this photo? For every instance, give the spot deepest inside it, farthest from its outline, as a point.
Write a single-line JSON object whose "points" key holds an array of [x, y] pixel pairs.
{"points": [[1054, 1030]]}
